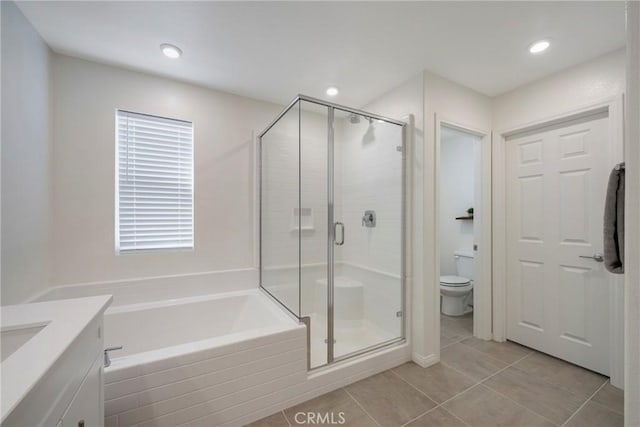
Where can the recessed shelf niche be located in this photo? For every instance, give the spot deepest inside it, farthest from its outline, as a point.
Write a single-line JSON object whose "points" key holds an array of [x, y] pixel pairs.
{"points": [[302, 219]]}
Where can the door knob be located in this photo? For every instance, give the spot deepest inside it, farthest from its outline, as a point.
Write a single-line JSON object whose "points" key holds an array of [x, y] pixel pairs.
{"points": [[597, 257]]}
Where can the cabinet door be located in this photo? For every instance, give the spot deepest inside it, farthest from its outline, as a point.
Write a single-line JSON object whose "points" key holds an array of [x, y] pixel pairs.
{"points": [[85, 409]]}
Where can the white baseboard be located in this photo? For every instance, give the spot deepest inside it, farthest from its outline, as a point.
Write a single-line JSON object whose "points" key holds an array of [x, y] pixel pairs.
{"points": [[425, 361]]}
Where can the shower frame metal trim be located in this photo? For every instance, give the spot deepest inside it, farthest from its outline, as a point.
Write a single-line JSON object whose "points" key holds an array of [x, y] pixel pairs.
{"points": [[331, 235], [403, 282], [323, 103]]}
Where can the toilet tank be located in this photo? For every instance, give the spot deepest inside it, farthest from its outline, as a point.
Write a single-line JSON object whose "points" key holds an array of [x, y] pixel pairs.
{"points": [[464, 264]]}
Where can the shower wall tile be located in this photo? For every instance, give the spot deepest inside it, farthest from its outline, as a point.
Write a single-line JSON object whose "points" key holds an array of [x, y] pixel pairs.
{"points": [[370, 178], [380, 290]]}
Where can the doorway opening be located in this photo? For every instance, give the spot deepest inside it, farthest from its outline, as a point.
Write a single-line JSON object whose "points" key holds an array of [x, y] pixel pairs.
{"points": [[458, 175]]}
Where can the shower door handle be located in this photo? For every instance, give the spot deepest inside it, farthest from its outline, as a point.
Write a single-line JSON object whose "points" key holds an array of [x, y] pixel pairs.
{"points": [[335, 233]]}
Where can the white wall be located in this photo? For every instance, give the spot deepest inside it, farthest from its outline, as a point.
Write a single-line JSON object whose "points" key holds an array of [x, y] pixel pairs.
{"points": [[632, 219], [369, 177], [26, 158], [426, 96], [574, 88], [432, 98], [592, 82], [408, 98], [86, 95], [564, 91], [457, 193], [448, 101]]}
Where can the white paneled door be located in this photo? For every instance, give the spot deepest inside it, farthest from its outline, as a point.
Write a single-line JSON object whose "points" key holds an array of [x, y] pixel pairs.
{"points": [[557, 286]]}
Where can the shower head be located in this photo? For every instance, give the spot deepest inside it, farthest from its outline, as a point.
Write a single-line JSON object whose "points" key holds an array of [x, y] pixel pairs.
{"points": [[354, 119]]}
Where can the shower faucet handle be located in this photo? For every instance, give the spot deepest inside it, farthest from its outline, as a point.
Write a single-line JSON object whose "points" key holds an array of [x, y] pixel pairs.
{"points": [[369, 219], [107, 359]]}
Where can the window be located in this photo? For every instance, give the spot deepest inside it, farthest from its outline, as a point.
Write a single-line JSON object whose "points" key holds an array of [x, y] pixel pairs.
{"points": [[154, 184]]}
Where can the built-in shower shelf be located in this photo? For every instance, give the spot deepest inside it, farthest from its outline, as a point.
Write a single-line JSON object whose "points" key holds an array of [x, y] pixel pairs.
{"points": [[302, 219]]}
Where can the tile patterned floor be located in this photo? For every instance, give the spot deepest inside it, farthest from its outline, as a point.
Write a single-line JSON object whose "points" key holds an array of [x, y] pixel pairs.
{"points": [[477, 383]]}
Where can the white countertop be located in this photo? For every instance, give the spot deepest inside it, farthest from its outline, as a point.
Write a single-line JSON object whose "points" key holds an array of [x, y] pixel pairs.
{"points": [[65, 320]]}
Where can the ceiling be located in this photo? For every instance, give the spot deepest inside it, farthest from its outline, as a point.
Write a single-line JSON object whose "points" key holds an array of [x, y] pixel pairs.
{"points": [[274, 50]]}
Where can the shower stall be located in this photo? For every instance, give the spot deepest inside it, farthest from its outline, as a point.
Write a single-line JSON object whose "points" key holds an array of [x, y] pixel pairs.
{"points": [[332, 225]]}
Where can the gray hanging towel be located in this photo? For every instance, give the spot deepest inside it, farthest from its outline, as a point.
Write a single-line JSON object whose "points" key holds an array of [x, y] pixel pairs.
{"points": [[614, 222]]}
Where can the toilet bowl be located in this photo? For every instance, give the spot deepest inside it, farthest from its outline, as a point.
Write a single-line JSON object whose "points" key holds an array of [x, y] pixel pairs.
{"points": [[457, 291], [456, 294]]}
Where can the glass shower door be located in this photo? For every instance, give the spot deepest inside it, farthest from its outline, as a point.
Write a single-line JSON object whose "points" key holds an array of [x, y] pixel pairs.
{"points": [[331, 225], [367, 232], [314, 133], [279, 203]]}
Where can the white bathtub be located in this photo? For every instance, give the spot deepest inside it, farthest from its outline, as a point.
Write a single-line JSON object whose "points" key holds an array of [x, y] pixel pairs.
{"points": [[188, 324], [201, 357]]}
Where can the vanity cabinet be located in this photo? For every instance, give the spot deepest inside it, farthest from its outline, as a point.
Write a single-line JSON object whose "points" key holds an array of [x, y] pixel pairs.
{"points": [[85, 410], [56, 377]]}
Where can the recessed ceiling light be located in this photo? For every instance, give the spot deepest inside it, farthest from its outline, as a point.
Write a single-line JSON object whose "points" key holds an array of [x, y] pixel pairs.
{"points": [[332, 91], [539, 46], [171, 51]]}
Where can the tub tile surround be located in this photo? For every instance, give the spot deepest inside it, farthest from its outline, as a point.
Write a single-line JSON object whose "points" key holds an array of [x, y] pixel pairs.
{"points": [[178, 389], [514, 394]]}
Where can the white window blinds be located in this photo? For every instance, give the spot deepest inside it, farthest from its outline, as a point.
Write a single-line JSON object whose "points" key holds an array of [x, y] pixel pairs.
{"points": [[154, 186]]}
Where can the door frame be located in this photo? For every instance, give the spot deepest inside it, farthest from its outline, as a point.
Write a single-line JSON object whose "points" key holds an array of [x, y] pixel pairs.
{"points": [[482, 296], [614, 106]]}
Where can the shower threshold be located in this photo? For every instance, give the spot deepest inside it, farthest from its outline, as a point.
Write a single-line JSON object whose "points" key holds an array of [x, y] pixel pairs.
{"points": [[351, 338]]}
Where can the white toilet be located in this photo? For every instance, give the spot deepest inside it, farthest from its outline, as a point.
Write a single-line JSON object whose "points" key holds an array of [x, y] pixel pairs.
{"points": [[457, 291]]}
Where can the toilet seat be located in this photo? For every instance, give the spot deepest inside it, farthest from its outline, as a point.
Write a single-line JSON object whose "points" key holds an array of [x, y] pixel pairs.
{"points": [[454, 281]]}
